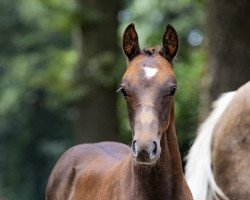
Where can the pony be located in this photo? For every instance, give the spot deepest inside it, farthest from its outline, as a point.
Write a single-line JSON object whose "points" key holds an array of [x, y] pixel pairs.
{"points": [[151, 168], [218, 162]]}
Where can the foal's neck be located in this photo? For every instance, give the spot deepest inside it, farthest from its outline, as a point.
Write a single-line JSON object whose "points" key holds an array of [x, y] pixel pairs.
{"points": [[165, 179]]}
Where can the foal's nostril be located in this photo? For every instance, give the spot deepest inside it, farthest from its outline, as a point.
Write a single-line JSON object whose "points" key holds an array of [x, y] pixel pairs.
{"points": [[143, 155], [133, 147], [154, 148]]}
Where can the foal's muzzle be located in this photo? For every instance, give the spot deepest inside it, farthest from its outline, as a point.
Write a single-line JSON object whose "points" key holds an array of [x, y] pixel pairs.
{"points": [[146, 153]]}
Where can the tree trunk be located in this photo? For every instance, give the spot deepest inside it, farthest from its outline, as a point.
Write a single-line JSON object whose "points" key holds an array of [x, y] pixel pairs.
{"points": [[229, 45], [96, 42]]}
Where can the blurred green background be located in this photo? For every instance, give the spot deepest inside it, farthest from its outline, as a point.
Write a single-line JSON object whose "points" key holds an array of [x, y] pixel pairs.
{"points": [[61, 62]]}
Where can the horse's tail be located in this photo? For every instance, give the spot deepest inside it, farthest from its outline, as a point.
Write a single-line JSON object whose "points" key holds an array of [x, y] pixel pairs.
{"points": [[198, 168]]}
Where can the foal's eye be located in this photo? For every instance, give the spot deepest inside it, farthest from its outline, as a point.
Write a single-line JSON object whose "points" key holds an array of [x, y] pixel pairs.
{"points": [[123, 91], [172, 91]]}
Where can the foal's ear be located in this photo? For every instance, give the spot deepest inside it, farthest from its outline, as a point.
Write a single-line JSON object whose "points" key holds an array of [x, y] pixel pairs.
{"points": [[130, 42], [170, 43]]}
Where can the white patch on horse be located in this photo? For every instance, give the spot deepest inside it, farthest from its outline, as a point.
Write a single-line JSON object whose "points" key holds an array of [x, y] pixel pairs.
{"points": [[150, 72]]}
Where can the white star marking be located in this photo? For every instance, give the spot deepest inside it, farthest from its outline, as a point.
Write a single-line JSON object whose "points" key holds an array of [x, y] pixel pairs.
{"points": [[150, 72]]}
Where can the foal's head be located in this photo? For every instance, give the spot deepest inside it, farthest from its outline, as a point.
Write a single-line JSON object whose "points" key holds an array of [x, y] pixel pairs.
{"points": [[148, 86]]}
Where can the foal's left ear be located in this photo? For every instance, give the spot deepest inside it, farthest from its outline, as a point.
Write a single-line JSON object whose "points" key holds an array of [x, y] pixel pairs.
{"points": [[130, 42], [170, 43]]}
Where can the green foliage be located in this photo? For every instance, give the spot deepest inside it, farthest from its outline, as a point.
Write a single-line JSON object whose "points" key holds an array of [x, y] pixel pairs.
{"points": [[189, 74], [36, 71]]}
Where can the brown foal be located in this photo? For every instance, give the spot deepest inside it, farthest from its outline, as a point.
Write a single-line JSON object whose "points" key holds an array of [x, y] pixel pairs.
{"points": [[151, 168]]}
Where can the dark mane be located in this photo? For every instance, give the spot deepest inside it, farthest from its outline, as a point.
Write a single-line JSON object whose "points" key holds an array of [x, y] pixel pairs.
{"points": [[157, 50], [152, 51]]}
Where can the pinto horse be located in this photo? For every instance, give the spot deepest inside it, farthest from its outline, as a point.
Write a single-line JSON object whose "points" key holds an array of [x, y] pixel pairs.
{"points": [[151, 168], [218, 164]]}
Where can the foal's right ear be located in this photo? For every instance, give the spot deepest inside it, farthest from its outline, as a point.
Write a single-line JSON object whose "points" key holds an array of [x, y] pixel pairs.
{"points": [[130, 42]]}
